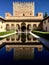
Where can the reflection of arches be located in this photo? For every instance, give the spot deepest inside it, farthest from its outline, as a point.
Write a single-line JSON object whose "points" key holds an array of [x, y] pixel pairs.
{"points": [[7, 27], [17, 27], [34, 26], [17, 37], [34, 39], [23, 37], [8, 39], [28, 27], [28, 37], [23, 26], [12, 37]]}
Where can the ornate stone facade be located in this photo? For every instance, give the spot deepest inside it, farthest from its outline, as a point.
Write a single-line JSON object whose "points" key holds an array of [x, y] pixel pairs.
{"points": [[23, 19], [23, 9]]}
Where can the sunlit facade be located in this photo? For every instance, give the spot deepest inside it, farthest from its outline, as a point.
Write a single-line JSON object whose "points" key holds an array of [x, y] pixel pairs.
{"points": [[23, 19], [46, 24]]}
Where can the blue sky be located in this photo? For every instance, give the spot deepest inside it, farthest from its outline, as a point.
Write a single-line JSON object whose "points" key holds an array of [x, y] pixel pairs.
{"points": [[40, 6]]}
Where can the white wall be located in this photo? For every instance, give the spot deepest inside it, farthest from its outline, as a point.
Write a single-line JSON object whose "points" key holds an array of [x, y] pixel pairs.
{"points": [[46, 25]]}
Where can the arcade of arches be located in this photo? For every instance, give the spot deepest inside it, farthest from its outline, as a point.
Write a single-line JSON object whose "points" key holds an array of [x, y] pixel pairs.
{"points": [[23, 27]]}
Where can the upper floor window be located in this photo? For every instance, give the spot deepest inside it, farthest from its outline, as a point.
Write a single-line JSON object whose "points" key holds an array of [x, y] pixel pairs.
{"points": [[30, 13], [12, 24], [23, 14], [44, 22], [7, 24]]}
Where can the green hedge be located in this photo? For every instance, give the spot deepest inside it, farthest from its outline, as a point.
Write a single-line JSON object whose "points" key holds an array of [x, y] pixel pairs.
{"points": [[42, 34], [7, 32]]}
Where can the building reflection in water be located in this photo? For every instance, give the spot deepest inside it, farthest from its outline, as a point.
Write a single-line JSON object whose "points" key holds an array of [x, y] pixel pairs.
{"points": [[23, 52]]}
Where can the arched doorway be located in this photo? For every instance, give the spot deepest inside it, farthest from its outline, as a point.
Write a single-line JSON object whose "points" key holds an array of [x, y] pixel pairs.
{"points": [[12, 27], [23, 37], [7, 27], [34, 26], [29, 27], [17, 27], [23, 27]]}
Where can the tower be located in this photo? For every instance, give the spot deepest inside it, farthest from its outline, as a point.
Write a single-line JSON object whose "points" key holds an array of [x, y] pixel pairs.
{"points": [[23, 9]]}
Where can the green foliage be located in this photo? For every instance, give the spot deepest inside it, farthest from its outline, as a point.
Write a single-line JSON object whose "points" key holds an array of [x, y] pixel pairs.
{"points": [[42, 34], [7, 32]]}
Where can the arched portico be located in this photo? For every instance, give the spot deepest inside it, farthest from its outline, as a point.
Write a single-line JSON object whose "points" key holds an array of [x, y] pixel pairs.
{"points": [[34, 26], [23, 26], [7, 27]]}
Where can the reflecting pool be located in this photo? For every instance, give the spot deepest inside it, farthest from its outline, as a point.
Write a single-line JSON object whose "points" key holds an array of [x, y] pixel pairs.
{"points": [[23, 53]]}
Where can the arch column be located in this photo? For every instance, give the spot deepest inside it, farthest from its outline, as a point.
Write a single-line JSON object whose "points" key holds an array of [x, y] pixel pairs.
{"points": [[34, 26], [31, 30], [20, 33], [31, 27], [26, 31]]}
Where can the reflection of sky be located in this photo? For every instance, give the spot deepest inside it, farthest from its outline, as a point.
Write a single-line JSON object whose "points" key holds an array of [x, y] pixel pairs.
{"points": [[40, 6], [7, 58]]}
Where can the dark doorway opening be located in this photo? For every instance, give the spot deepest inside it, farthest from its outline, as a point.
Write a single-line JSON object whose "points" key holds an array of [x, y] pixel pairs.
{"points": [[23, 28]]}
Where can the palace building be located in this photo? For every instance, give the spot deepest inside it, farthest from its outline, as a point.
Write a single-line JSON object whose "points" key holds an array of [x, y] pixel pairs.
{"points": [[46, 24], [23, 19]]}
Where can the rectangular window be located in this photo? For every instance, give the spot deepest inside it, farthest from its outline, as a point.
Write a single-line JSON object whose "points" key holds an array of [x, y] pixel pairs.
{"points": [[46, 28], [44, 22]]}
